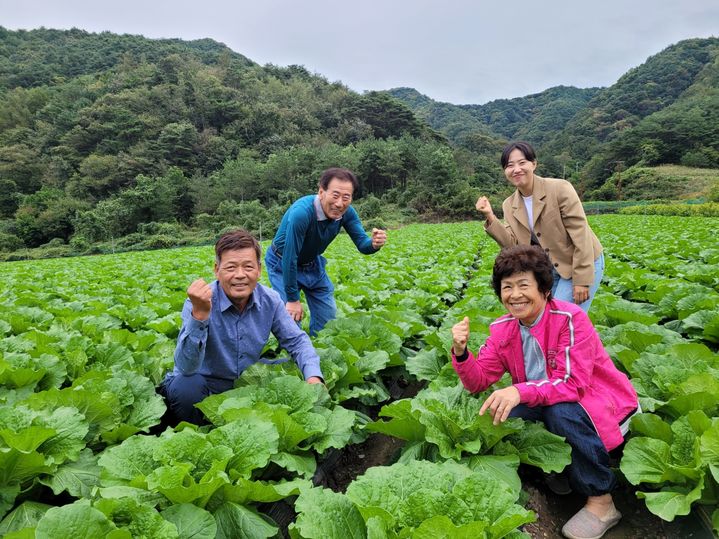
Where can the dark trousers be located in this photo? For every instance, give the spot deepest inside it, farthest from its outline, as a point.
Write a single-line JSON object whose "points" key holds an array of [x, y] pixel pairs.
{"points": [[183, 392], [589, 472]]}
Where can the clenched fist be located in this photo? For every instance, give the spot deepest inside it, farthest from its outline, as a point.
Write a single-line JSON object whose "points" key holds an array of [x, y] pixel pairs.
{"points": [[460, 336], [200, 295], [484, 207], [379, 238]]}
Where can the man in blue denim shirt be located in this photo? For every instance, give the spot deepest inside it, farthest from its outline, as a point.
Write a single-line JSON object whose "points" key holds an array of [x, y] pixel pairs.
{"points": [[294, 260], [225, 326]]}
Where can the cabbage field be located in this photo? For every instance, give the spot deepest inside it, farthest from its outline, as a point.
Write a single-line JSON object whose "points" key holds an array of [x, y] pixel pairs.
{"points": [[85, 452]]}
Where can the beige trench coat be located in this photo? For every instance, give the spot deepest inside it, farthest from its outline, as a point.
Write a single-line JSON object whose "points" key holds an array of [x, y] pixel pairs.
{"points": [[560, 225]]}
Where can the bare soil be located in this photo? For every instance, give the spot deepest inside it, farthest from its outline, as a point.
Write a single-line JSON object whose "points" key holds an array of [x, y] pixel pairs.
{"points": [[354, 460]]}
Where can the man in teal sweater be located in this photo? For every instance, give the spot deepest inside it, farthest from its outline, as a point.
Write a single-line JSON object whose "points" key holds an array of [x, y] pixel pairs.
{"points": [[294, 260]]}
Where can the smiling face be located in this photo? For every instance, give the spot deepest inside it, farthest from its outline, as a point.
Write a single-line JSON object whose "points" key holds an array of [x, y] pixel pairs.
{"points": [[522, 298], [520, 172], [336, 198], [238, 271]]}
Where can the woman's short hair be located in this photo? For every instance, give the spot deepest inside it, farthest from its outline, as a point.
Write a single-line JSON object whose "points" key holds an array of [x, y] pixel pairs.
{"points": [[234, 240], [341, 174], [524, 147], [519, 258]]}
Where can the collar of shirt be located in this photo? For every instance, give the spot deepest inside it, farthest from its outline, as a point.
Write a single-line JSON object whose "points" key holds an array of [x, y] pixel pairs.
{"points": [[225, 302], [319, 212]]}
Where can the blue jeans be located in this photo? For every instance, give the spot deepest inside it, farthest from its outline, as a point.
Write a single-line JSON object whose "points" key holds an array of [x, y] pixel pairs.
{"points": [[589, 472], [563, 288], [312, 279], [183, 392]]}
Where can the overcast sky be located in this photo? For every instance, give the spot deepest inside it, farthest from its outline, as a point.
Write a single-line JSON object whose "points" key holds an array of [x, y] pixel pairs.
{"points": [[460, 51]]}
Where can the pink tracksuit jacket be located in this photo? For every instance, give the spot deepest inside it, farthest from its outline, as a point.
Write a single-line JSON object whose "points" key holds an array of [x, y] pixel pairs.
{"points": [[578, 368]]}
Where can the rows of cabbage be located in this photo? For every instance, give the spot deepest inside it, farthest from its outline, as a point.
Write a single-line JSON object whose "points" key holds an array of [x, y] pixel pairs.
{"points": [[658, 315], [667, 266], [413, 337], [87, 340], [388, 304]]}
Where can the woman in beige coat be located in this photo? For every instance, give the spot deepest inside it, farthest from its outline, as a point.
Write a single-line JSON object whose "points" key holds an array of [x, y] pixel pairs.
{"points": [[547, 212]]}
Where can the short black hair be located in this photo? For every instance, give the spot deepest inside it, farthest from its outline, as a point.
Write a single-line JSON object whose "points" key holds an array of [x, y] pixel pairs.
{"points": [[519, 258], [524, 147], [234, 240], [341, 174]]}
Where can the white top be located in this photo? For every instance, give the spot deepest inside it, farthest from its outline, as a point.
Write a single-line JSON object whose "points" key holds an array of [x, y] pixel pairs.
{"points": [[528, 205]]}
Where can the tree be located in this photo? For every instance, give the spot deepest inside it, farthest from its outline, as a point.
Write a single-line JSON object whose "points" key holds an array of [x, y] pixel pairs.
{"points": [[8, 198]]}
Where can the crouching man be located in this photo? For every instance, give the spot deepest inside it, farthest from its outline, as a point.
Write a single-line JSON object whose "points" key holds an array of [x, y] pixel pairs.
{"points": [[225, 326]]}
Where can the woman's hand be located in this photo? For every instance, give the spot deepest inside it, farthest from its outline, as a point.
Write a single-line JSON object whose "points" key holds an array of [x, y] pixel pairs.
{"points": [[580, 294], [484, 207], [500, 403], [460, 336]]}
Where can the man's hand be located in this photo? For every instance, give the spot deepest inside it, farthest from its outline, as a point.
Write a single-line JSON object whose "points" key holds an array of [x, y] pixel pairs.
{"points": [[484, 207], [295, 310], [500, 403], [460, 336], [379, 238], [580, 294], [314, 380], [200, 295]]}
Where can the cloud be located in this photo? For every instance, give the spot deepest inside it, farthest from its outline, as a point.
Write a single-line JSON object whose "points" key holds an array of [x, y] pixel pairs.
{"points": [[458, 51]]}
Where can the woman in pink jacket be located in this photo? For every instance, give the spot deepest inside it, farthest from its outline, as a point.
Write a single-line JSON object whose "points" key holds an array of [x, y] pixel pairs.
{"points": [[561, 375]]}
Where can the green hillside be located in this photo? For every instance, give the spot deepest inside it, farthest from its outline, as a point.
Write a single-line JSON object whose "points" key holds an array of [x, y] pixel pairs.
{"points": [[536, 117], [665, 111], [663, 182], [101, 133], [454, 121]]}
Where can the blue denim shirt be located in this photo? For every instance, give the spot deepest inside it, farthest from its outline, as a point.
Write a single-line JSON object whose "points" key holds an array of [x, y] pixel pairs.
{"points": [[229, 341]]}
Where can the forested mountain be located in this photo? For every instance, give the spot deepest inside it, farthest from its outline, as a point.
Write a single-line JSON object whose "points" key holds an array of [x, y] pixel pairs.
{"points": [[665, 111], [100, 133], [456, 122], [536, 117]]}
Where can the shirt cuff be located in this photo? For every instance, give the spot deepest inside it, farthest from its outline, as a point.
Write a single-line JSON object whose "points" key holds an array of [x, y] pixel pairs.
{"points": [[312, 370], [462, 357], [197, 328]]}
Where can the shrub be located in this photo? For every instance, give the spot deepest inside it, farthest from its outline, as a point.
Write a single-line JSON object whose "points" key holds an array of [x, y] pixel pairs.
{"points": [[153, 228], [368, 207], [79, 244], [376, 222], [159, 241], [709, 209], [9, 242]]}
